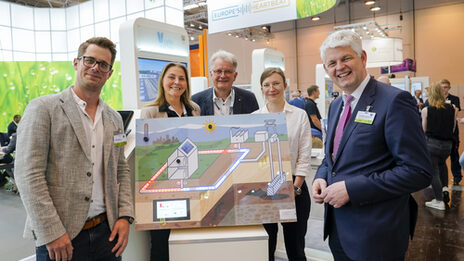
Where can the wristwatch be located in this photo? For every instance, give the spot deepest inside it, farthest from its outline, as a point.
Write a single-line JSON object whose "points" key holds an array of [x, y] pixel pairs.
{"points": [[129, 219], [297, 190]]}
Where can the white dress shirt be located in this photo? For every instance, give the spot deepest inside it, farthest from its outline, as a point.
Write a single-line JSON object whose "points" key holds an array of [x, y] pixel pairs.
{"points": [[356, 95], [94, 131], [224, 107], [299, 138]]}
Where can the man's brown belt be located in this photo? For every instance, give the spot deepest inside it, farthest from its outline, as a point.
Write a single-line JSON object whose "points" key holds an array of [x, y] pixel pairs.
{"points": [[95, 221]]}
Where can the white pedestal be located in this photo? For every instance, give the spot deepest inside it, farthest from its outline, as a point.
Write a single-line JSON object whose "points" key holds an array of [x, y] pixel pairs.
{"points": [[246, 243]]}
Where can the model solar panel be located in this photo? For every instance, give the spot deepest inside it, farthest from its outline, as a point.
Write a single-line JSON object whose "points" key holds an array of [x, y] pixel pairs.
{"points": [[187, 147]]}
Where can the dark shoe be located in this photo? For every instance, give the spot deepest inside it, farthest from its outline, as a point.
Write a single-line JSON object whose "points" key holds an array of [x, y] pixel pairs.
{"points": [[446, 197], [456, 182]]}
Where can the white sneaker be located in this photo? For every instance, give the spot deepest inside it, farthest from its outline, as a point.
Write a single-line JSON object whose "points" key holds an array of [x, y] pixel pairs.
{"points": [[445, 188], [440, 205]]}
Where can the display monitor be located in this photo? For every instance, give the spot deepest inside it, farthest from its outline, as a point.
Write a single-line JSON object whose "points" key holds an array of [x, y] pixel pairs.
{"points": [[171, 209], [149, 73]]}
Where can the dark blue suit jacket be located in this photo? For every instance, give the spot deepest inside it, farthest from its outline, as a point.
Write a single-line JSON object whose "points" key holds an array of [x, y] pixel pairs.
{"points": [[244, 102], [381, 165]]}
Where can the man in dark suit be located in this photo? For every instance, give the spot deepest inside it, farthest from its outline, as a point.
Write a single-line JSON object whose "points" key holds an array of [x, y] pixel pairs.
{"points": [[374, 158], [13, 125], [223, 98], [454, 156]]}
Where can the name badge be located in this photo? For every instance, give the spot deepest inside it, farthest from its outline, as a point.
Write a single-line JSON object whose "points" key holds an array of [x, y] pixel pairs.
{"points": [[365, 117], [448, 101], [120, 139]]}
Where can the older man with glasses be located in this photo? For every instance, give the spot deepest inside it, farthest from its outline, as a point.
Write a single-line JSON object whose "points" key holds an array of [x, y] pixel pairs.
{"points": [[223, 98]]}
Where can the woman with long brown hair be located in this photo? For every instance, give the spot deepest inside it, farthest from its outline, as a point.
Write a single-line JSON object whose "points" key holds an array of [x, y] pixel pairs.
{"points": [[173, 101]]}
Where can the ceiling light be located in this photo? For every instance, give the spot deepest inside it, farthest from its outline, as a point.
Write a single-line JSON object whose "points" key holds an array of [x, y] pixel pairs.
{"points": [[192, 25], [192, 38], [200, 27], [229, 34], [375, 8], [237, 36], [315, 18], [253, 40], [191, 6], [202, 4], [369, 2]]}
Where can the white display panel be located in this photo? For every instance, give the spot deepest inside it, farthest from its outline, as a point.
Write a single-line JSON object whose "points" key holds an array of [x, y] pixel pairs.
{"points": [[43, 56], [134, 6], [60, 57], [23, 56], [22, 40], [103, 29], [103, 11], [86, 13], [68, 27], [59, 42], [117, 8], [156, 14], [114, 25], [58, 19], [174, 16], [178, 4], [6, 55], [21, 17], [42, 19], [87, 32], [5, 40], [72, 17], [153, 3], [42, 42], [73, 39], [4, 13]]}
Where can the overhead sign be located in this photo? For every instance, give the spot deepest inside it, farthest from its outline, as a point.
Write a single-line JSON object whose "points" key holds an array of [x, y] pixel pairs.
{"points": [[383, 51], [236, 14]]}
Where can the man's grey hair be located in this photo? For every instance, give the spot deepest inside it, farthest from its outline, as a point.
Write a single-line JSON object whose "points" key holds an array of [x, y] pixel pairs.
{"points": [[342, 38], [224, 55]]}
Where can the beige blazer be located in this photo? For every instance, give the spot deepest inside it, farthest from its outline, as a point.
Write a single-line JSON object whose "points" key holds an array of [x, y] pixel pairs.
{"points": [[152, 111], [53, 169]]}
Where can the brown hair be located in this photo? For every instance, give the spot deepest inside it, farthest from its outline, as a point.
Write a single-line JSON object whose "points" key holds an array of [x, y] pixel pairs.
{"points": [[269, 71], [102, 42], [436, 95], [184, 98], [312, 89]]}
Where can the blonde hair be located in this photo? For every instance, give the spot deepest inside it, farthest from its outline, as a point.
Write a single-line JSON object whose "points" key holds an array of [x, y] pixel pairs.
{"points": [[184, 98], [436, 95]]}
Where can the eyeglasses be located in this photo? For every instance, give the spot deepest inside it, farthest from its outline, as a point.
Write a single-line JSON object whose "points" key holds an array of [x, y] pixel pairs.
{"points": [[226, 72], [274, 84], [90, 63]]}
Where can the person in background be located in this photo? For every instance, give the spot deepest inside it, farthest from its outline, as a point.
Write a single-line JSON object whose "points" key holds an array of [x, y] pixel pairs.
{"points": [[13, 125], [273, 86], [438, 122], [296, 99], [419, 100], [224, 98], [313, 112], [173, 101], [375, 156], [70, 169], [384, 79], [454, 156]]}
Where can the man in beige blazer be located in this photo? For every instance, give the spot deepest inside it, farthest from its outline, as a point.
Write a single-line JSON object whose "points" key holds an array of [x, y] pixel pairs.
{"points": [[70, 166]]}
